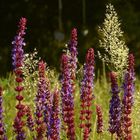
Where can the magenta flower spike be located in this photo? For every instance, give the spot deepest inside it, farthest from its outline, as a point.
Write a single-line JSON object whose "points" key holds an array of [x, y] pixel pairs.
{"points": [[47, 106], [30, 121], [99, 119], [67, 97], [128, 99], [40, 102], [55, 120], [18, 57], [72, 46], [115, 106], [87, 94]]}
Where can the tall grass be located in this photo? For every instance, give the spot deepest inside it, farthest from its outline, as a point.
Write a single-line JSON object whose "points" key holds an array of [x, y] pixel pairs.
{"points": [[102, 97]]}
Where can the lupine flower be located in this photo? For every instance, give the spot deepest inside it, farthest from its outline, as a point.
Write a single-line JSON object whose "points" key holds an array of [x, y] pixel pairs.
{"points": [[18, 43], [115, 106], [2, 130], [40, 102], [18, 56], [87, 94], [128, 99], [99, 119], [48, 107], [55, 120], [30, 121], [72, 46], [67, 96]]}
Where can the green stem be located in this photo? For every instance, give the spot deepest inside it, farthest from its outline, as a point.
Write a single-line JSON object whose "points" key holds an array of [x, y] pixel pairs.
{"points": [[100, 136], [111, 136]]}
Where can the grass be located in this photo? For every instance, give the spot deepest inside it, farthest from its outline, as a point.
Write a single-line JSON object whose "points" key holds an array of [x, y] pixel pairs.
{"points": [[102, 97]]}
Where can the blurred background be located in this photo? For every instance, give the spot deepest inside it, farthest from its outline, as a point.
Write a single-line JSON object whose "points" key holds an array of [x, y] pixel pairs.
{"points": [[50, 22]]}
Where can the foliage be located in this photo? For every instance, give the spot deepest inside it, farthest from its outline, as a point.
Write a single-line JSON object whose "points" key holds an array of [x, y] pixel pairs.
{"points": [[102, 95], [59, 112]]}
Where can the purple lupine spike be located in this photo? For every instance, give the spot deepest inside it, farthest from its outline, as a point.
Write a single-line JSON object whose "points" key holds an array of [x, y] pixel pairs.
{"points": [[72, 46], [18, 57], [128, 99], [87, 94], [2, 130], [30, 121], [48, 107], [67, 96], [55, 120], [18, 43], [99, 119], [115, 106], [40, 101]]}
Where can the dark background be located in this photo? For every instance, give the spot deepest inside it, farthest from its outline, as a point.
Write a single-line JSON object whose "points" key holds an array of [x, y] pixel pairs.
{"points": [[42, 16]]}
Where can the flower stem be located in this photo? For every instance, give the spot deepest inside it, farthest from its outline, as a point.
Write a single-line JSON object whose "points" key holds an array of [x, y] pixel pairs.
{"points": [[111, 136]]}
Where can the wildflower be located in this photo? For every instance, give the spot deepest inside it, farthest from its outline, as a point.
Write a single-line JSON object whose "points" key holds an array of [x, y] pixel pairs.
{"points": [[30, 71], [18, 57], [72, 46], [67, 96], [40, 101], [18, 43], [2, 130], [47, 106], [99, 119], [128, 98], [115, 106], [87, 94], [30, 121], [55, 121]]}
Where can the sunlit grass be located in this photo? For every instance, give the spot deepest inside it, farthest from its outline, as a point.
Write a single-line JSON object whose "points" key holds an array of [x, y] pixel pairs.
{"points": [[102, 97]]}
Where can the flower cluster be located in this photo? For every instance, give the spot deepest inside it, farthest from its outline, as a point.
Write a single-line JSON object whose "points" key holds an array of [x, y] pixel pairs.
{"points": [[99, 119], [30, 71], [55, 120], [87, 94], [2, 130], [72, 46], [18, 57], [18, 43], [115, 106], [47, 123], [40, 101], [128, 99], [67, 96], [47, 105], [30, 121]]}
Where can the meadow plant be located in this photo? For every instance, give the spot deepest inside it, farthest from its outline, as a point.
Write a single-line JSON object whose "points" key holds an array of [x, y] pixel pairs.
{"points": [[55, 117], [114, 51], [30, 71], [99, 119], [2, 129], [30, 119], [56, 109], [128, 99], [40, 102], [18, 58], [87, 95], [68, 68], [48, 104], [72, 47], [67, 96], [115, 107]]}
